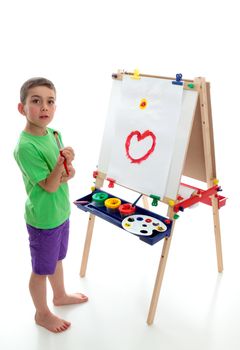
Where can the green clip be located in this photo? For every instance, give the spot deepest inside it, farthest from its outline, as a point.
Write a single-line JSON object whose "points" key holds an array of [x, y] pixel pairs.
{"points": [[191, 86], [176, 216], [155, 199]]}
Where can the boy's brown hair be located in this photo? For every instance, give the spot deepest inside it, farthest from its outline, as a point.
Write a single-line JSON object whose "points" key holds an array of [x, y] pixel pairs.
{"points": [[33, 82]]}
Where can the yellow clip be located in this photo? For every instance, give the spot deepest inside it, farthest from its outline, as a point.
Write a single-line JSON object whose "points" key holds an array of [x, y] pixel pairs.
{"points": [[135, 75], [171, 203], [215, 181], [93, 188]]}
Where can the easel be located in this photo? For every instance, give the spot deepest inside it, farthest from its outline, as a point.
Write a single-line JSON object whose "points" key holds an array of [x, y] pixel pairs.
{"points": [[199, 164]]}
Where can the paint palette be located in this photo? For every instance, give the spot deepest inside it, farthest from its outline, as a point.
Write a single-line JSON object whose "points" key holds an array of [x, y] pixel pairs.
{"points": [[143, 225]]}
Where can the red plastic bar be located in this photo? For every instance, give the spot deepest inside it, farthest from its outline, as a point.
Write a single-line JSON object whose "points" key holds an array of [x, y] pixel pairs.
{"points": [[201, 196]]}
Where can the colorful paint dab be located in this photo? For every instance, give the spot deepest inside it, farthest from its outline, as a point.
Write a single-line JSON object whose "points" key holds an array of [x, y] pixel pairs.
{"points": [[143, 103]]}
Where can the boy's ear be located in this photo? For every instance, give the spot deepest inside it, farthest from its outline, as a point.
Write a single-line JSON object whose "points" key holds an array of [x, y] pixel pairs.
{"points": [[21, 108]]}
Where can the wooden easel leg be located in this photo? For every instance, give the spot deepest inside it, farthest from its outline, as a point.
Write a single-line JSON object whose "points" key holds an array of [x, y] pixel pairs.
{"points": [[160, 273], [145, 202], [88, 239], [217, 234], [159, 278], [204, 95], [87, 245]]}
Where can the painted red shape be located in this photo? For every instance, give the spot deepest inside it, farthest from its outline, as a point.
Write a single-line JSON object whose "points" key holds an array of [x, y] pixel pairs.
{"points": [[140, 137]]}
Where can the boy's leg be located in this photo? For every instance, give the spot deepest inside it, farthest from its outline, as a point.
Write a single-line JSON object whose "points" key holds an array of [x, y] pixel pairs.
{"points": [[60, 297], [44, 317]]}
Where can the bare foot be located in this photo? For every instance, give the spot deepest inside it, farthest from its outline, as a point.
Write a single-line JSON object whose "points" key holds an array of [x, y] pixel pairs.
{"points": [[68, 299], [51, 322]]}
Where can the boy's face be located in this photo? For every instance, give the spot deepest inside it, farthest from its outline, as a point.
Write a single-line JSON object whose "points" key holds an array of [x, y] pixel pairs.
{"points": [[39, 108]]}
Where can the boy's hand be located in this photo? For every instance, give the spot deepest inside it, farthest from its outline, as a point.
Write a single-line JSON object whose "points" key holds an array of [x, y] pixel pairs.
{"points": [[66, 177], [58, 174], [68, 153]]}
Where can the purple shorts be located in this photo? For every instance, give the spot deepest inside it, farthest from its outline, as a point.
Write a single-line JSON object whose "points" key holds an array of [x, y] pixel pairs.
{"points": [[47, 247]]}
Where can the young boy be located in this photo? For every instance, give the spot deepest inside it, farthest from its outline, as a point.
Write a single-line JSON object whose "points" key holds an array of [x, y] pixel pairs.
{"points": [[47, 207]]}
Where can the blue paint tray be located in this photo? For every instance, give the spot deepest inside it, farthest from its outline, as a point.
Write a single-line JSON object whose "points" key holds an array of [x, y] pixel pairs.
{"points": [[88, 205]]}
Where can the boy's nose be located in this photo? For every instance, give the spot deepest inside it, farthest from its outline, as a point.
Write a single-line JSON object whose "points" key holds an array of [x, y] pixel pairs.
{"points": [[44, 107]]}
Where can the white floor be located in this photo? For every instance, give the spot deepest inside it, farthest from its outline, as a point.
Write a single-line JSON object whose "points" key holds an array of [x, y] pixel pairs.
{"points": [[198, 307]]}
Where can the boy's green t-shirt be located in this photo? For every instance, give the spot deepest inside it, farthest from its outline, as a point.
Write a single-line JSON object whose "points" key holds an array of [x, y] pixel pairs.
{"points": [[36, 157]]}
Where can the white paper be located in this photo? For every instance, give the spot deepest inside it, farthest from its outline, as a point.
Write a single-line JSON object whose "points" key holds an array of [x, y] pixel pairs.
{"points": [[159, 120]]}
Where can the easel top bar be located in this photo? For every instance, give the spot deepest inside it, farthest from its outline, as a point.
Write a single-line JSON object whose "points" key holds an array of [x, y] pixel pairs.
{"points": [[119, 76]]}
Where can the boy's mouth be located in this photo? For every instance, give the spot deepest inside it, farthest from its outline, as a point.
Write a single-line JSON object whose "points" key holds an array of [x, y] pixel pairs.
{"points": [[43, 116]]}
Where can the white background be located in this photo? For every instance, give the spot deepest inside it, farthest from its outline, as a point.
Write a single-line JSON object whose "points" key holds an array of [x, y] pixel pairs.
{"points": [[78, 45]]}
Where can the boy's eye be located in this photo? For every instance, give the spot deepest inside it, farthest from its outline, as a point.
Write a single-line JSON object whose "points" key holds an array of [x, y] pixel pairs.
{"points": [[36, 100], [51, 102]]}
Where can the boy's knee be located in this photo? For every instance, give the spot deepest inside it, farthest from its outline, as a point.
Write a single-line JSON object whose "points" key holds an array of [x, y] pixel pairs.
{"points": [[38, 276]]}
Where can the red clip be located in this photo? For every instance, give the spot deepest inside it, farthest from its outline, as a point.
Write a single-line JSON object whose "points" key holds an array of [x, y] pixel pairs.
{"points": [[111, 182], [95, 174]]}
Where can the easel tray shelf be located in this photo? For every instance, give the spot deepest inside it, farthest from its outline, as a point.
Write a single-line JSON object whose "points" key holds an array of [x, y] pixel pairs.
{"points": [[85, 203]]}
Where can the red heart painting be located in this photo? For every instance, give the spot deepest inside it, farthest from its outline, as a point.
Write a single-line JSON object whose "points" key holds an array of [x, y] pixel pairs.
{"points": [[140, 137]]}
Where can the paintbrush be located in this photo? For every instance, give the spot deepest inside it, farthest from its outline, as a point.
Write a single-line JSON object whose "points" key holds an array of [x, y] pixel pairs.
{"points": [[134, 203], [59, 147]]}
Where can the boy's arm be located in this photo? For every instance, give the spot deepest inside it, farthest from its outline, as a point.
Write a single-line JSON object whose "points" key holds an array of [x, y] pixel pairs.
{"points": [[66, 177], [53, 181], [58, 176]]}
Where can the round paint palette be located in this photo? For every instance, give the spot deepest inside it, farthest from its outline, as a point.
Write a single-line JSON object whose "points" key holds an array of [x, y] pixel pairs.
{"points": [[143, 225]]}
